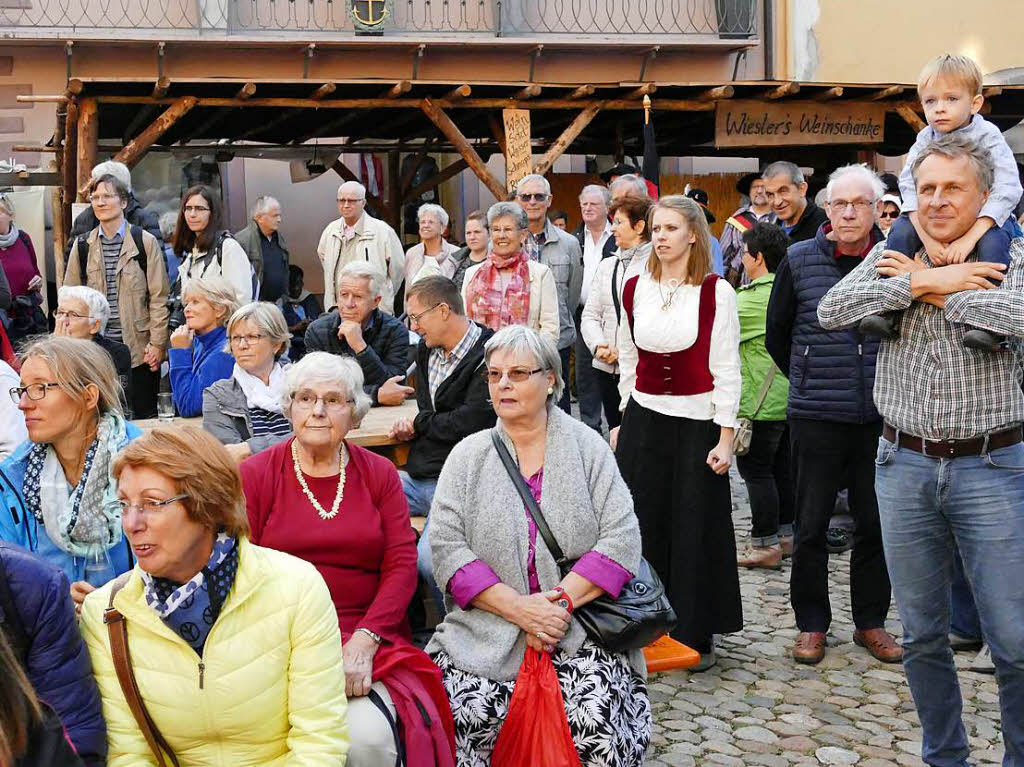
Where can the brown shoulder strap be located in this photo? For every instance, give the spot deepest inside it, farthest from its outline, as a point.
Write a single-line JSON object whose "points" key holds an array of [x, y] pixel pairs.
{"points": [[117, 630]]}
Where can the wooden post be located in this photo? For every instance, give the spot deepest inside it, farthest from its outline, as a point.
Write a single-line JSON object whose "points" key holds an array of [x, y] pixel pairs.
{"points": [[60, 235], [892, 90], [465, 149], [498, 131], [88, 141], [568, 136], [136, 149], [910, 116]]}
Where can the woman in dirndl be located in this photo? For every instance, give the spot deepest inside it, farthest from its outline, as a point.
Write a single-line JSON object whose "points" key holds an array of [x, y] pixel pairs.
{"points": [[680, 387]]}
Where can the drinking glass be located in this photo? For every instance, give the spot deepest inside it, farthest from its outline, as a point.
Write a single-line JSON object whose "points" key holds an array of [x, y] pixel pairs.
{"points": [[165, 407]]}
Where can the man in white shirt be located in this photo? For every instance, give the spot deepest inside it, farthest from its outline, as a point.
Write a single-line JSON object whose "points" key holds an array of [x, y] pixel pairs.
{"points": [[597, 242], [359, 236]]}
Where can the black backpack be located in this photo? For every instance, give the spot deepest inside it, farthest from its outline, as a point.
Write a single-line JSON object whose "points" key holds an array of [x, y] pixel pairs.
{"points": [[82, 246]]}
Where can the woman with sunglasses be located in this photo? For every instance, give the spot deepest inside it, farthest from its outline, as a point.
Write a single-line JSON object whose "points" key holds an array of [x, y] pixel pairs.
{"points": [[59, 498], [341, 508], [891, 208], [204, 249], [508, 288]]}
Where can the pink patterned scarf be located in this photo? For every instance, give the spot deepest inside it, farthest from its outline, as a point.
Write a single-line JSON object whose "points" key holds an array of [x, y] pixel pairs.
{"points": [[487, 304]]}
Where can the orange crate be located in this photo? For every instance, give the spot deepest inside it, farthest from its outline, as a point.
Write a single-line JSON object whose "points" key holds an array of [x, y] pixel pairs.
{"points": [[666, 653]]}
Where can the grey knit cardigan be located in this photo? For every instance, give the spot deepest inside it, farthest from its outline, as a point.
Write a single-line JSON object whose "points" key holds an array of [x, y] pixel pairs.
{"points": [[477, 514]]}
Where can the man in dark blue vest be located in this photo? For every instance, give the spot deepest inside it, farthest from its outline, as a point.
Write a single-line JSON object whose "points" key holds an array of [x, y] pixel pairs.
{"points": [[834, 426]]}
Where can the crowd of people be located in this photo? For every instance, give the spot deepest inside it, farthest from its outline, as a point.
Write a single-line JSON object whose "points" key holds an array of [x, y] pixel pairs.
{"points": [[261, 566]]}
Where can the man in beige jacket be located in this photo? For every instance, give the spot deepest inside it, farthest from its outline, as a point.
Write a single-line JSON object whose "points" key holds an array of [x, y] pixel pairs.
{"points": [[359, 236], [134, 283]]}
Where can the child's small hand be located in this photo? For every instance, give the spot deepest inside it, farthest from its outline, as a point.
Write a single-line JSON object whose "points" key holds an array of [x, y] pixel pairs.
{"points": [[937, 254], [958, 251]]}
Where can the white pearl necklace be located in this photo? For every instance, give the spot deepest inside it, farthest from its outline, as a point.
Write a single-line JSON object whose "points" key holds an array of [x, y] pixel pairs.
{"points": [[324, 514]]}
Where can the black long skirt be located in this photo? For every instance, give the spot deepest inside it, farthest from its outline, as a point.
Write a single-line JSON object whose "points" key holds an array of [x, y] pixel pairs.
{"points": [[685, 514]]}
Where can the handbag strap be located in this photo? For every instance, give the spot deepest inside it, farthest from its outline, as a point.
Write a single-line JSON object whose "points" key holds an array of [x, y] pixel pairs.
{"points": [[531, 505], [117, 630], [762, 395]]}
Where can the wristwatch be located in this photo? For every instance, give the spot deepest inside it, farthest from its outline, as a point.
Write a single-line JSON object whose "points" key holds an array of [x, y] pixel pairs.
{"points": [[375, 637]]}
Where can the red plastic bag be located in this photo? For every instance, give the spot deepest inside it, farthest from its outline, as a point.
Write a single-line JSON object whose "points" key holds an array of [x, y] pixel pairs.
{"points": [[535, 732]]}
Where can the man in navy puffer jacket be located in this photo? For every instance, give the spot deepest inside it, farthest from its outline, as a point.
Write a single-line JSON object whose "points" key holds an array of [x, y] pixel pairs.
{"points": [[56, 659], [834, 427]]}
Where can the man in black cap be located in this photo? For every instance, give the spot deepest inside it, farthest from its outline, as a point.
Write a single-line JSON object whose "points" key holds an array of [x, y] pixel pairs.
{"points": [[700, 197], [756, 210]]}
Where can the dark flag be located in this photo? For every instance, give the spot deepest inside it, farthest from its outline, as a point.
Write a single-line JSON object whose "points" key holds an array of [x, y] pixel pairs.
{"points": [[651, 160]]}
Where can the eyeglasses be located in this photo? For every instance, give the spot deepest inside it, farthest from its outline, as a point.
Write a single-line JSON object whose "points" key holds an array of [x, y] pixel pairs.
{"points": [[416, 317], [34, 391], [515, 375], [251, 339], [148, 506], [536, 197], [195, 209], [858, 205], [61, 314], [347, 201], [894, 214], [307, 400], [101, 198]]}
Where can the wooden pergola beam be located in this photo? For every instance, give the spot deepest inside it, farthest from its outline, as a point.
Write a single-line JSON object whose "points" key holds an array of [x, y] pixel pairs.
{"points": [[436, 180], [786, 89], [527, 93], [88, 141], [136, 149], [497, 130], [73, 88], [644, 90], [69, 187], [323, 91], [398, 89], [342, 170], [885, 93], [421, 157], [557, 149], [829, 94], [581, 93], [246, 91], [161, 86], [444, 124], [912, 118], [992, 90], [456, 94], [714, 94]]}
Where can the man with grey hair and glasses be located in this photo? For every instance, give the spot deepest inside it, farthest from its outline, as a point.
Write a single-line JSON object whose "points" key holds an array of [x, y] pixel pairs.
{"points": [[134, 212], [264, 245], [948, 468], [561, 253], [786, 190]]}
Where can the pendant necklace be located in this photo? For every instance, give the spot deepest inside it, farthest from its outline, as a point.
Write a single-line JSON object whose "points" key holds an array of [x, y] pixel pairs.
{"points": [[674, 286], [324, 514]]}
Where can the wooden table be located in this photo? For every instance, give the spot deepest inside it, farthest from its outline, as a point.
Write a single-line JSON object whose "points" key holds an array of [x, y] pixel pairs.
{"points": [[372, 433]]}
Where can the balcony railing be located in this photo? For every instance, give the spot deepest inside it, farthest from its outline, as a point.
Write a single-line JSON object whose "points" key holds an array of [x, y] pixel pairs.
{"points": [[334, 19]]}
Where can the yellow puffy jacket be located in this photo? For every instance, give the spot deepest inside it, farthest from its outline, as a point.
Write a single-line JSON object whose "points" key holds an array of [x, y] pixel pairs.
{"points": [[268, 691]]}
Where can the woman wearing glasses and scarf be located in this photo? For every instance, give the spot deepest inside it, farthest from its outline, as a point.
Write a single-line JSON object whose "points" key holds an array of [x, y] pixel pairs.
{"points": [[507, 288], [342, 508], [58, 494]]}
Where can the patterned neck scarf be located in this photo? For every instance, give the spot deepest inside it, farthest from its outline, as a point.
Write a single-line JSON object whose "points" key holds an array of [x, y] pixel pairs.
{"points": [[190, 609], [86, 520], [491, 306]]}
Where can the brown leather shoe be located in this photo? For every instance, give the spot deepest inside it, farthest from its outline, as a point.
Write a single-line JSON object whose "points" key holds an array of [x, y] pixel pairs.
{"points": [[768, 557], [786, 544], [880, 643], [809, 647]]}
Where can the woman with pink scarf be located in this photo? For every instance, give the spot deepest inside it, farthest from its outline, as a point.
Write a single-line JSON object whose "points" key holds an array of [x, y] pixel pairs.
{"points": [[507, 288]]}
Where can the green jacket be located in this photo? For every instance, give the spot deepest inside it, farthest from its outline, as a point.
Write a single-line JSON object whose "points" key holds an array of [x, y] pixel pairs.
{"points": [[752, 305]]}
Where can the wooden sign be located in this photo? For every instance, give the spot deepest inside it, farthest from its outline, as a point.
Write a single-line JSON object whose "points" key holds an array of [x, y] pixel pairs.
{"points": [[518, 150], [798, 123]]}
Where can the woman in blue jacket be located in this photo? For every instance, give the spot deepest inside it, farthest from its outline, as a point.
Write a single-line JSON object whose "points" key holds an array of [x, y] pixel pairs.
{"points": [[38, 620], [59, 497], [199, 355]]}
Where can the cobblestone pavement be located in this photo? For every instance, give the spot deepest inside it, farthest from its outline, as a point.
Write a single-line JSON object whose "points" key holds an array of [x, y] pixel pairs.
{"points": [[759, 707]]}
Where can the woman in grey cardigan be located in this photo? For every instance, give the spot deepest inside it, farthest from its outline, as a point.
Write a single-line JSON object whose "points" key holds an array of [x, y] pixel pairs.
{"points": [[502, 583], [244, 411]]}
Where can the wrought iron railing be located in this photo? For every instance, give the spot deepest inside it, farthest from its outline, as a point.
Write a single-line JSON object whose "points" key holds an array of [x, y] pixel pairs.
{"points": [[319, 19]]}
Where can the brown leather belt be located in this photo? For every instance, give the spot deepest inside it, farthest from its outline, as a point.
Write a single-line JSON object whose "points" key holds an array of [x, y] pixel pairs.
{"points": [[954, 448]]}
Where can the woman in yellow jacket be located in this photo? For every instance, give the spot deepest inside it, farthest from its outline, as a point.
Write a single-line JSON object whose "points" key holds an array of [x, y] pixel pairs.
{"points": [[235, 648]]}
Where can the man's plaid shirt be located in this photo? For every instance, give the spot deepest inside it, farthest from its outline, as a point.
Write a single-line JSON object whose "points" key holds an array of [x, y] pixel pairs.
{"points": [[927, 383]]}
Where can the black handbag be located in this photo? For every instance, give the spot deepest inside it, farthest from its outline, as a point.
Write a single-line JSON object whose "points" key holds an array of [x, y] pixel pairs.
{"points": [[642, 612]]}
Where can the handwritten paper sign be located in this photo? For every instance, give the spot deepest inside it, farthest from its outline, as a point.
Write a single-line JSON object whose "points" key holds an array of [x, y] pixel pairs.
{"points": [[797, 123], [518, 152]]}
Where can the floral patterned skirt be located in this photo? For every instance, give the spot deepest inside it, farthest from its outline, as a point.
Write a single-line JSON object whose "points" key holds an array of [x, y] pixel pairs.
{"points": [[606, 705]]}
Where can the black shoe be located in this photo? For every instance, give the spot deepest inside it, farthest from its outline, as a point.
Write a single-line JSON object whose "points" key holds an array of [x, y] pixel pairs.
{"points": [[985, 340], [878, 325], [838, 540]]}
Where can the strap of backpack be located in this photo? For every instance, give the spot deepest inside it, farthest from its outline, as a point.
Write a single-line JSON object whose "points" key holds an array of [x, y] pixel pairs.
{"points": [[117, 631], [136, 232], [82, 246], [615, 291]]}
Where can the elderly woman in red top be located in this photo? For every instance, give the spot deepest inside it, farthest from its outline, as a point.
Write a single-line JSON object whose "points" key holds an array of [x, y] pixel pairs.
{"points": [[341, 508]]}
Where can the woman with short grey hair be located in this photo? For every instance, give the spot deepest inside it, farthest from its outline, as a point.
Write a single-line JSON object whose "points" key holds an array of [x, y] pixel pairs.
{"points": [[502, 585], [341, 508], [508, 288], [245, 411], [433, 254]]}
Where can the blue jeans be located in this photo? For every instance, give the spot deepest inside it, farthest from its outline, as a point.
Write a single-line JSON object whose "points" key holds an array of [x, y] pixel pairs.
{"points": [[964, 616], [929, 508], [419, 493]]}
